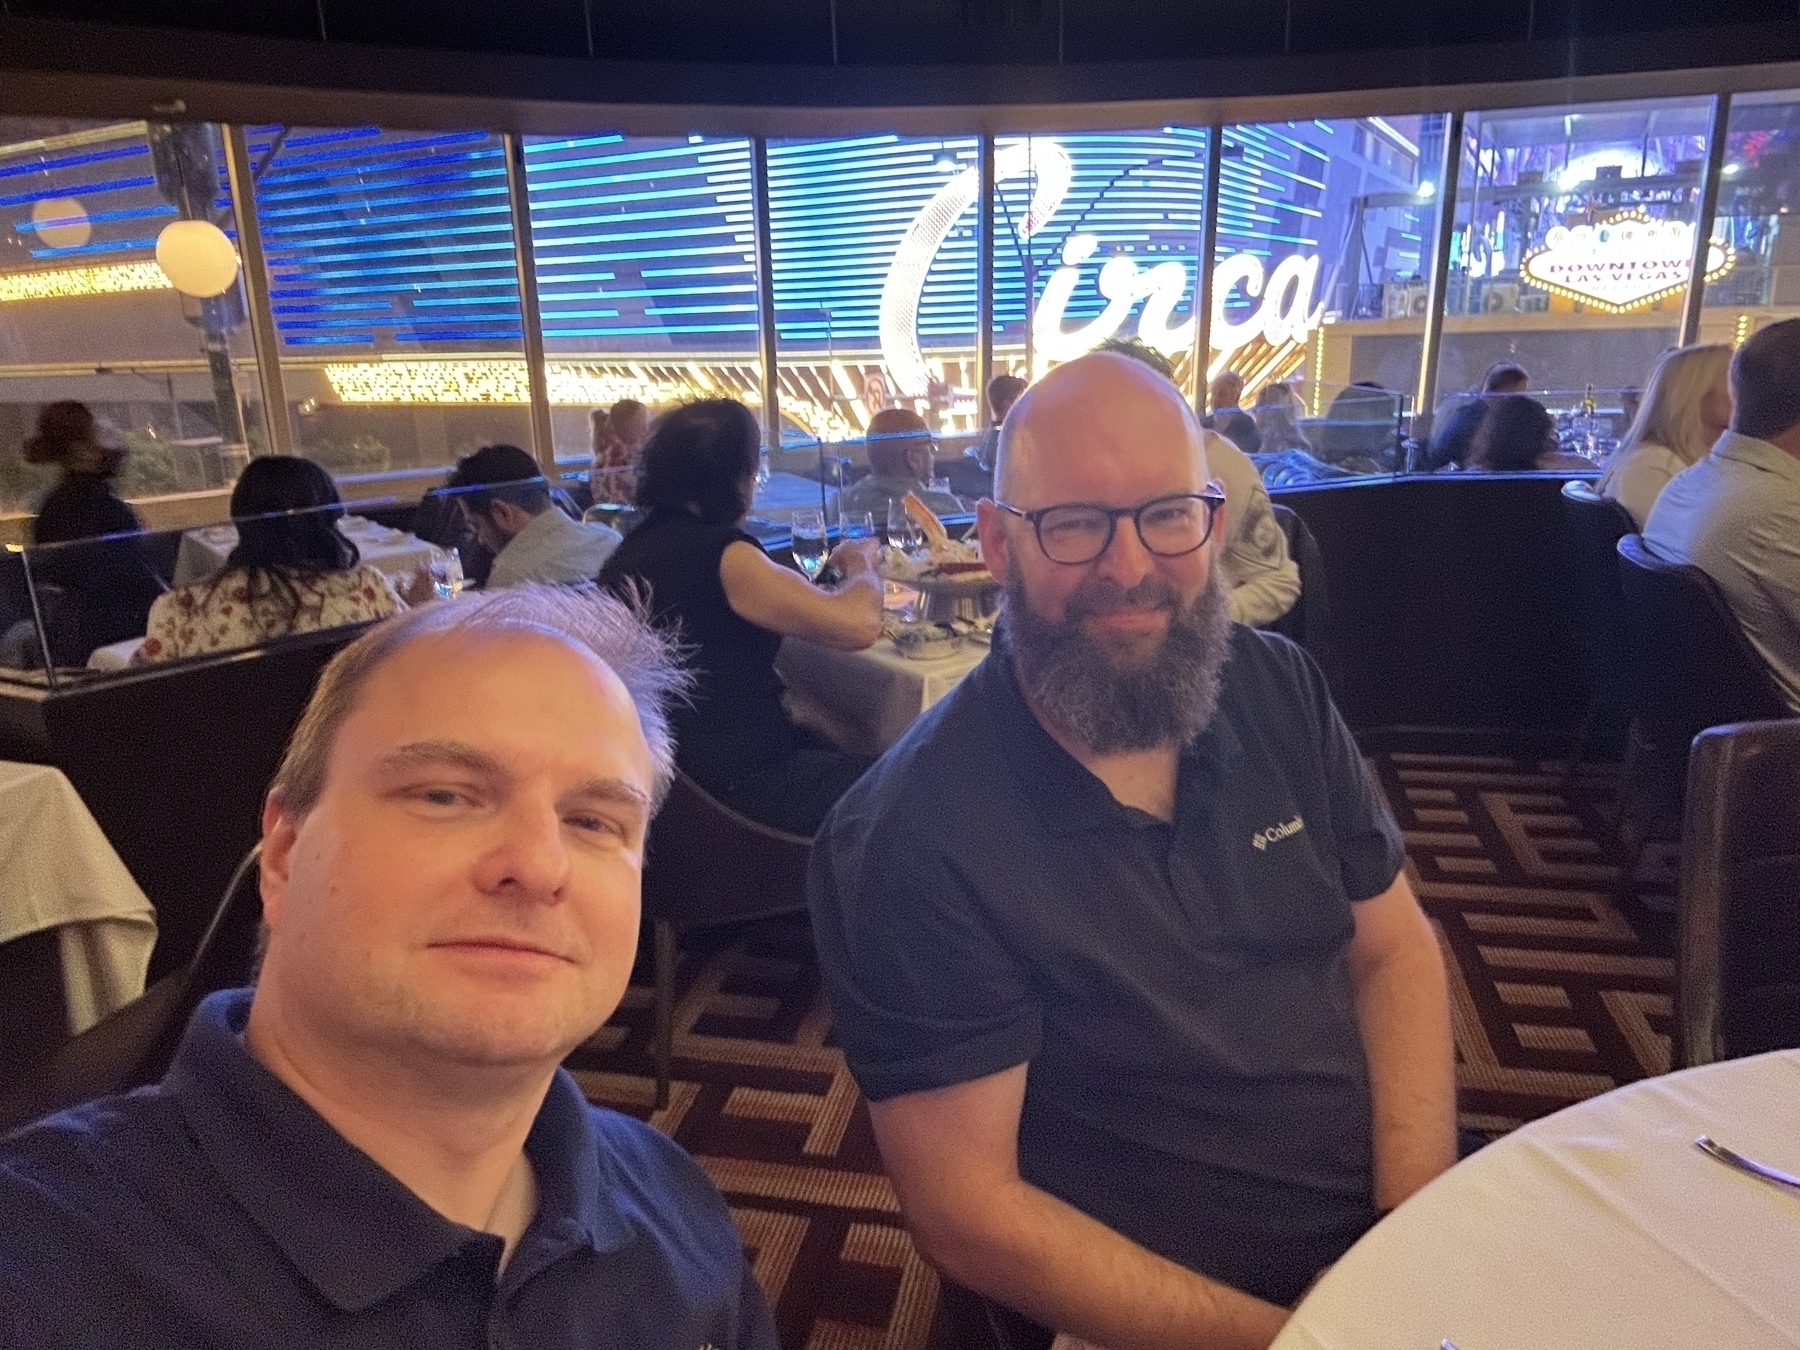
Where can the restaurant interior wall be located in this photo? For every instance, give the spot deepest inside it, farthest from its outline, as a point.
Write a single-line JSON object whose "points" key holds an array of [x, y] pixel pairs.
{"points": [[393, 274]]}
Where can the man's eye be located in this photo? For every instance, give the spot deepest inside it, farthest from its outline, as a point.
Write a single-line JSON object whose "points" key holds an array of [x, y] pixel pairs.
{"points": [[441, 796], [597, 824]]}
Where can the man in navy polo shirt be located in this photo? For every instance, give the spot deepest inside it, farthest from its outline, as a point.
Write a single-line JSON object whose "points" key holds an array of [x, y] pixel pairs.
{"points": [[1116, 937], [375, 1146]]}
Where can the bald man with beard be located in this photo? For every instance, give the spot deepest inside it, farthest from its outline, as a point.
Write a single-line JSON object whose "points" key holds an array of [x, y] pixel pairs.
{"points": [[1117, 937]]}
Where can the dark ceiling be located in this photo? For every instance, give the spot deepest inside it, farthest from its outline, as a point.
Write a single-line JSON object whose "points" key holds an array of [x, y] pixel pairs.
{"points": [[841, 53], [916, 32]]}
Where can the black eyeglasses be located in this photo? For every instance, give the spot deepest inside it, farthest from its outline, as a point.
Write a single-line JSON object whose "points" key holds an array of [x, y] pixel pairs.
{"points": [[1078, 532]]}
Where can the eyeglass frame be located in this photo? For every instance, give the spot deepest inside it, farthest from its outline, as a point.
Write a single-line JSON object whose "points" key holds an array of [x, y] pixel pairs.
{"points": [[1213, 495]]}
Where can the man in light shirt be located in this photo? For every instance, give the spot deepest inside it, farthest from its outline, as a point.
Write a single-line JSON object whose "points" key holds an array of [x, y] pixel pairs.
{"points": [[1736, 514], [504, 498]]}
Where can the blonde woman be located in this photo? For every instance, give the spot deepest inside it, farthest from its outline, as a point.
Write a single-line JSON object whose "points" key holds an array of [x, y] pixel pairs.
{"points": [[1686, 407]]}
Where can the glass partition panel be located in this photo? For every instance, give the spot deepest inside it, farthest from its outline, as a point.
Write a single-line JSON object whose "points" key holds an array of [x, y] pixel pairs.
{"points": [[88, 313], [1570, 258], [1096, 236], [874, 253], [1756, 225], [646, 274], [88, 607], [1319, 287], [394, 287]]}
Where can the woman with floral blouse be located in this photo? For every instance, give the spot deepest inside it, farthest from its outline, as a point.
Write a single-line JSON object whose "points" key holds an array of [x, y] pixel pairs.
{"points": [[291, 572]]}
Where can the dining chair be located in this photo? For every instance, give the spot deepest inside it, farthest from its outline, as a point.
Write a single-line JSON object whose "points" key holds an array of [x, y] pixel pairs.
{"points": [[1594, 526], [1693, 668], [1309, 621], [1737, 989], [707, 866], [134, 1045]]}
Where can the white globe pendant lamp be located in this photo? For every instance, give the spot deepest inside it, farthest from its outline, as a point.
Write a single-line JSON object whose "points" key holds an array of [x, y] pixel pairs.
{"points": [[197, 257], [61, 222]]}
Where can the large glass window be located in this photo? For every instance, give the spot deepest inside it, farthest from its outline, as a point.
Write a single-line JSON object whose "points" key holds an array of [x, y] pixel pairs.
{"points": [[1757, 228], [1572, 247], [87, 313], [1319, 286], [874, 254], [394, 287], [1096, 236], [646, 273]]}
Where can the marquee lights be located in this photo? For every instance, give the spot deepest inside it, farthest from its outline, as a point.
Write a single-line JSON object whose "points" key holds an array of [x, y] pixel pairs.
{"points": [[505, 380], [64, 282], [1627, 261]]}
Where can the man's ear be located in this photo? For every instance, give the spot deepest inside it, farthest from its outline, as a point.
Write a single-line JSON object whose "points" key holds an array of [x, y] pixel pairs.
{"points": [[280, 832], [990, 528]]}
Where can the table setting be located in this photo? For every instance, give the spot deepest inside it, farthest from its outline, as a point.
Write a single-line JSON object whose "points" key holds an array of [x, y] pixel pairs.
{"points": [[940, 601]]}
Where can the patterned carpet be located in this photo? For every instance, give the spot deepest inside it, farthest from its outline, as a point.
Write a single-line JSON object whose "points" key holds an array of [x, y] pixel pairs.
{"points": [[1560, 984]]}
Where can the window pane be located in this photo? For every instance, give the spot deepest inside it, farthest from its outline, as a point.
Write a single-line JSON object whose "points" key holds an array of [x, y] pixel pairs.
{"points": [[874, 253], [1323, 245], [86, 312], [646, 273], [1096, 236], [1571, 254], [1760, 237], [395, 293]]}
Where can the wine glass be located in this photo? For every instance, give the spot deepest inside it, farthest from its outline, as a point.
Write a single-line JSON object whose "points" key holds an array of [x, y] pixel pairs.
{"points": [[903, 532], [447, 574], [856, 525], [808, 530]]}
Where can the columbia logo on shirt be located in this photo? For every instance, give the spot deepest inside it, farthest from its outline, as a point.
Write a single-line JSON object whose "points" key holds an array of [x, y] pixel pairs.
{"points": [[1276, 833]]}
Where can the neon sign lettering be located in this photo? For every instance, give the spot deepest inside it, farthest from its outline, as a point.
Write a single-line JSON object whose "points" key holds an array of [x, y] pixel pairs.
{"points": [[1286, 312]]}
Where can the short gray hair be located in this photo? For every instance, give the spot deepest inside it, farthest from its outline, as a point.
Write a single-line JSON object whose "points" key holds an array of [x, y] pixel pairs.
{"points": [[585, 617]]}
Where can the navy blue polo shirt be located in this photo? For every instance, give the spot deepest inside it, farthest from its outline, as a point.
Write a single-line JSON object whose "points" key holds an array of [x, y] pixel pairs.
{"points": [[1180, 990], [219, 1209]]}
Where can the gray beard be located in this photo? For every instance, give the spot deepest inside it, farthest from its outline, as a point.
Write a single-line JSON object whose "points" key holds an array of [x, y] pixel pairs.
{"points": [[1070, 679]]}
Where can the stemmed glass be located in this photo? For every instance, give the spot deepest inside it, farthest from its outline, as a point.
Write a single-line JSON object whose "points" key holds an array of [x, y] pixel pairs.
{"points": [[808, 531], [856, 525], [903, 532], [447, 574]]}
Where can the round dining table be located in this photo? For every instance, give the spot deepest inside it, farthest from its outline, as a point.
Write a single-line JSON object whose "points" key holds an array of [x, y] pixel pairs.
{"points": [[1602, 1227]]}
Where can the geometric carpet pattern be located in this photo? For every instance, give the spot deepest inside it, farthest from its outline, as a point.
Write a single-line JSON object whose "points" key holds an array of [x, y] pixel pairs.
{"points": [[1561, 982]]}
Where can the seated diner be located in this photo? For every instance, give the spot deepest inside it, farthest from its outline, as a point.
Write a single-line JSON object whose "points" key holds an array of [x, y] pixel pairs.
{"points": [[291, 571], [712, 585]]}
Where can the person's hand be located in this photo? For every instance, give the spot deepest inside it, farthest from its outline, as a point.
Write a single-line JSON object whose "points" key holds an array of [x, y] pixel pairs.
{"points": [[418, 587], [855, 557]]}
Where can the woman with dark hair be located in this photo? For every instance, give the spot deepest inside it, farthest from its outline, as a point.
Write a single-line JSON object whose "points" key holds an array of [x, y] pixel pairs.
{"points": [[291, 572], [731, 605], [109, 587], [1517, 434]]}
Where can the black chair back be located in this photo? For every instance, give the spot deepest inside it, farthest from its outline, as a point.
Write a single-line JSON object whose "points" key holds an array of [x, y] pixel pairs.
{"points": [[1694, 668], [1309, 621], [707, 865], [1738, 985], [1595, 526], [133, 1045]]}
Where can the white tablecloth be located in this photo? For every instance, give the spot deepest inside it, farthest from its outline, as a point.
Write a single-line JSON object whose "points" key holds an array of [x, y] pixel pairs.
{"points": [[1599, 1228], [57, 870], [395, 552], [865, 700]]}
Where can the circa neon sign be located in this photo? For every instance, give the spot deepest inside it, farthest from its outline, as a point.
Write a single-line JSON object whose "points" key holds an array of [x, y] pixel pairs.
{"points": [[1286, 311], [1625, 262]]}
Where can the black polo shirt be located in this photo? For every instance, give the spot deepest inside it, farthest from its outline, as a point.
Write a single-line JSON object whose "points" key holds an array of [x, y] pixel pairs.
{"points": [[1180, 990], [218, 1209]]}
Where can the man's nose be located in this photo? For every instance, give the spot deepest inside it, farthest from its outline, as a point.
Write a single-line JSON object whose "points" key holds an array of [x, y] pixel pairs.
{"points": [[1126, 560], [530, 858]]}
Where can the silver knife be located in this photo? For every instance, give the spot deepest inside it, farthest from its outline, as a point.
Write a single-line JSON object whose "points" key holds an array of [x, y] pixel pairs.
{"points": [[1773, 1175]]}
